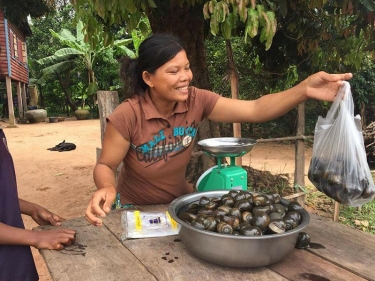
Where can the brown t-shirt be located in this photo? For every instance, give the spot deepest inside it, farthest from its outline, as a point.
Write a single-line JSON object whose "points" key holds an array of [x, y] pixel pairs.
{"points": [[154, 168]]}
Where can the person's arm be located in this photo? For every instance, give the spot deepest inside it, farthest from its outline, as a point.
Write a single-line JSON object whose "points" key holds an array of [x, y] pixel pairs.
{"points": [[114, 149], [39, 214], [319, 86], [53, 239]]}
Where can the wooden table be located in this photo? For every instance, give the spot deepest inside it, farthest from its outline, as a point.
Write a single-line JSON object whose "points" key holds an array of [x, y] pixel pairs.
{"points": [[337, 252]]}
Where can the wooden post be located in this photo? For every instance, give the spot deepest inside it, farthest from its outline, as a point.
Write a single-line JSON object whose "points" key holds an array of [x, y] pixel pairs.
{"points": [[236, 126], [336, 211], [19, 99], [12, 120], [234, 92], [33, 95], [107, 102], [24, 99], [299, 169]]}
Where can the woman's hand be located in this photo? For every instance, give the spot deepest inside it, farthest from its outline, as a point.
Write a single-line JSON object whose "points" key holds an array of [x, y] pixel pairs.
{"points": [[100, 205], [324, 86], [114, 150], [54, 239]]}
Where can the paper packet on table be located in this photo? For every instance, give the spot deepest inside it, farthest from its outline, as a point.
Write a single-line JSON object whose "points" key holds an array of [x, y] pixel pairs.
{"points": [[139, 224]]}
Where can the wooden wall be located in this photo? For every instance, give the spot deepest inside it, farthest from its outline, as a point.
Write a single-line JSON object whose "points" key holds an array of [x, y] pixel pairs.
{"points": [[3, 53], [19, 70]]}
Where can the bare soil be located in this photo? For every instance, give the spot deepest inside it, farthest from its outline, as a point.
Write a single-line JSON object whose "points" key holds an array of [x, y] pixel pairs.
{"points": [[62, 181]]}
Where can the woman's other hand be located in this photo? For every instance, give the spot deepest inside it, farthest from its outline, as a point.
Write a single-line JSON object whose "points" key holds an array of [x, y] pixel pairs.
{"points": [[100, 205], [324, 86]]}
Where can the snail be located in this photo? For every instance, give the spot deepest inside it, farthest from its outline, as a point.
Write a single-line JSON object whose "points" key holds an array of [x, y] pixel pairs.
{"points": [[246, 214]]}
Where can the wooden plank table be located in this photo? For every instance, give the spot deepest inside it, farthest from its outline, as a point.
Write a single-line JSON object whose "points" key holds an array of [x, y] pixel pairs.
{"points": [[337, 252]]}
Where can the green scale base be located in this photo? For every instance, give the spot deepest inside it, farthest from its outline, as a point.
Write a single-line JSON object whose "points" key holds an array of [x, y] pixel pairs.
{"points": [[224, 177]]}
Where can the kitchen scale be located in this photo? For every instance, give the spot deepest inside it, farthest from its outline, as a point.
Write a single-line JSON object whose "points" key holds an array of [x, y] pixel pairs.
{"points": [[224, 176]]}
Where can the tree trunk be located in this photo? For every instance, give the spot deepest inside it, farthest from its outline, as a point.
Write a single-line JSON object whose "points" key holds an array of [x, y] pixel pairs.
{"points": [[362, 112], [188, 24], [67, 94], [41, 97]]}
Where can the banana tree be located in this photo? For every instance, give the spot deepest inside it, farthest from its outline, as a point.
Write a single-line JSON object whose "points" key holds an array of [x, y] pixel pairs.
{"points": [[76, 48], [60, 66]]}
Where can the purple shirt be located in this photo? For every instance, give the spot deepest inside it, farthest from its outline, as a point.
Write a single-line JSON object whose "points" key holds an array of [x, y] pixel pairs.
{"points": [[16, 261]]}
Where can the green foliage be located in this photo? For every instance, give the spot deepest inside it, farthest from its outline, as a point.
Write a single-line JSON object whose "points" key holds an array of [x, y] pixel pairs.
{"points": [[107, 70], [101, 16], [226, 16], [54, 101], [78, 48], [363, 90], [361, 218], [16, 10], [40, 45], [309, 36], [67, 63], [254, 19], [140, 34], [300, 38], [254, 82]]}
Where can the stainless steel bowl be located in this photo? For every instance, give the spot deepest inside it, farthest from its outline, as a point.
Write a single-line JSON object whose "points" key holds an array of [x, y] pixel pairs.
{"points": [[230, 250], [226, 147]]}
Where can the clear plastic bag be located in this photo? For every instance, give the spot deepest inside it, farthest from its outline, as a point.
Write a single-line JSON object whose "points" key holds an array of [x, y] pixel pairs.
{"points": [[338, 166]]}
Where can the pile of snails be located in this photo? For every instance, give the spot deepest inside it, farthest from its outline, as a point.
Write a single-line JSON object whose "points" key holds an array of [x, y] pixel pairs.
{"points": [[241, 212], [339, 183]]}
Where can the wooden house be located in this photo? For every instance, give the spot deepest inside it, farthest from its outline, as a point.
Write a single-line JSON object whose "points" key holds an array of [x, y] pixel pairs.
{"points": [[14, 70]]}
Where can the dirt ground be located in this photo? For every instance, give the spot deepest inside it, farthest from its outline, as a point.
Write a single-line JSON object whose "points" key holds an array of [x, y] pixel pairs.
{"points": [[62, 181]]}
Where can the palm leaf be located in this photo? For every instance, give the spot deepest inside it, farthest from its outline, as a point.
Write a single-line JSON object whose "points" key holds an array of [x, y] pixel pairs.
{"points": [[60, 55], [66, 38], [80, 35], [57, 67], [127, 52], [68, 51], [122, 42], [42, 80]]}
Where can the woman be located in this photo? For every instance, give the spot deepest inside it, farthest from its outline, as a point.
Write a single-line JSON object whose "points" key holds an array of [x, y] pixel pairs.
{"points": [[152, 132]]}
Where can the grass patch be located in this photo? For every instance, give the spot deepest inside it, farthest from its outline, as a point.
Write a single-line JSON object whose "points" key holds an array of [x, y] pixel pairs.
{"points": [[362, 218]]}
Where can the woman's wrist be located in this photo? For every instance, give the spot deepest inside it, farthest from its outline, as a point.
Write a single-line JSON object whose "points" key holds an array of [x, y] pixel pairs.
{"points": [[108, 187], [301, 90]]}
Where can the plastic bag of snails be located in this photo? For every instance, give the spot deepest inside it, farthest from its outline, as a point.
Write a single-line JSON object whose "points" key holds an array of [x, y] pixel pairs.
{"points": [[338, 166]]}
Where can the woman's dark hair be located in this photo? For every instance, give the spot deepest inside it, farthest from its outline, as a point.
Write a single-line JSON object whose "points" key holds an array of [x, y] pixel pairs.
{"points": [[153, 52]]}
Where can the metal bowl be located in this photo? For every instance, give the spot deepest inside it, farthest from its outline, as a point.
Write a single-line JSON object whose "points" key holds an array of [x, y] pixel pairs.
{"points": [[226, 147], [231, 250]]}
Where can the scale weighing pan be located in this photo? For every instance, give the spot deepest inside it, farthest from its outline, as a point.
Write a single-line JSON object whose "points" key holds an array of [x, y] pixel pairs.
{"points": [[226, 147]]}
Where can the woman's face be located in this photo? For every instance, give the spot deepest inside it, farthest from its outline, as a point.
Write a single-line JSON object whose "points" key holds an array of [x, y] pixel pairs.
{"points": [[170, 82]]}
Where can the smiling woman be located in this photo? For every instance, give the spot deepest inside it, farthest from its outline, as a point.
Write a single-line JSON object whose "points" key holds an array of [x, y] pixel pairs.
{"points": [[169, 83], [153, 131]]}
